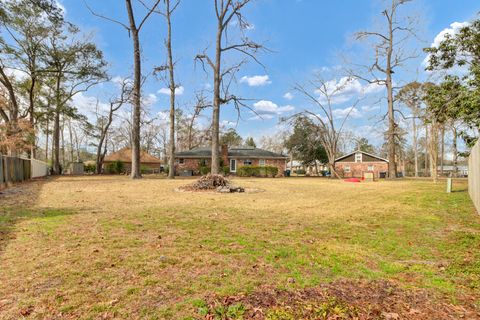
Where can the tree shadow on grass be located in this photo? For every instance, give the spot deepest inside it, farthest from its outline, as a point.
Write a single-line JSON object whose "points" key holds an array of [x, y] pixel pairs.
{"points": [[17, 204]]}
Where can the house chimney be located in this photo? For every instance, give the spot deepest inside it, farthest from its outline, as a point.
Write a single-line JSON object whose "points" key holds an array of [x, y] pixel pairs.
{"points": [[224, 155]]}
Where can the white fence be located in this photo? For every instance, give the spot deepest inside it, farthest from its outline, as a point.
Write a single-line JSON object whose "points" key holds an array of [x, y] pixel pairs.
{"points": [[39, 168], [474, 175]]}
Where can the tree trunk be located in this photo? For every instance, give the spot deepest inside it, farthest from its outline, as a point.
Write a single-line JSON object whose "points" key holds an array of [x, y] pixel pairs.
{"points": [[12, 119], [99, 160], [137, 75], [56, 143], [433, 151], [216, 104], [415, 146], [62, 131], [171, 155], [77, 145], [46, 139], [442, 149], [426, 151], [70, 133], [56, 131], [392, 165], [455, 152], [31, 100]]}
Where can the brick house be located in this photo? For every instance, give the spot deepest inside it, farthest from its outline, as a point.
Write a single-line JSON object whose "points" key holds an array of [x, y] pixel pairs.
{"points": [[148, 162], [355, 164], [233, 157]]}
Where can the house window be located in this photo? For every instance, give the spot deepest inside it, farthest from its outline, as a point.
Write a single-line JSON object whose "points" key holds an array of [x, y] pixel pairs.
{"points": [[370, 168], [358, 157], [261, 162], [247, 162], [347, 168], [181, 161], [233, 165]]}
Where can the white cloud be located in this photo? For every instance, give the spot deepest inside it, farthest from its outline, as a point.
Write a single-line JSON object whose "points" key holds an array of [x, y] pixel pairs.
{"points": [[256, 81], [149, 99], [18, 75], [87, 104], [374, 134], [454, 28], [344, 89], [163, 115], [61, 6], [352, 112], [227, 123], [288, 96], [372, 88], [178, 91], [266, 109]]}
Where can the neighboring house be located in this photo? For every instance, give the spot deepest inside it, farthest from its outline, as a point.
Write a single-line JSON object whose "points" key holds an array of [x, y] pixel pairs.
{"points": [[148, 162], [233, 157], [357, 163], [462, 170]]}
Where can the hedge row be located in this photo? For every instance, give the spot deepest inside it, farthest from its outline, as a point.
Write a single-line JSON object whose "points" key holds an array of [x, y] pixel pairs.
{"points": [[206, 170], [257, 171]]}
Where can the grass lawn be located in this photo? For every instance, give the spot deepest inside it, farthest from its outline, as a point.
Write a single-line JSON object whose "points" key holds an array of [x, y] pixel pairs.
{"points": [[109, 247]]}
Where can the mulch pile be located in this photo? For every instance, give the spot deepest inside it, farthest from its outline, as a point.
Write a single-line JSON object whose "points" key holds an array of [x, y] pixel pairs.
{"points": [[344, 300], [213, 182]]}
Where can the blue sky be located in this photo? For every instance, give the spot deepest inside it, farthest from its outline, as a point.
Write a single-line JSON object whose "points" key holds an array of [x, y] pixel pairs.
{"points": [[303, 35]]}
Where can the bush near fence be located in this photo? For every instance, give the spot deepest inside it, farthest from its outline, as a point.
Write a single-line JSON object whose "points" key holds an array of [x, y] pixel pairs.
{"points": [[474, 175]]}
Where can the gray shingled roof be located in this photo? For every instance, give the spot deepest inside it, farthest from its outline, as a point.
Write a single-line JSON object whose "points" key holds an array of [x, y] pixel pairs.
{"points": [[233, 152]]}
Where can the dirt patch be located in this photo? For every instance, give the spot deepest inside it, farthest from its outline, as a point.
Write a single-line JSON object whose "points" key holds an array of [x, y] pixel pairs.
{"points": [[344, 299]]}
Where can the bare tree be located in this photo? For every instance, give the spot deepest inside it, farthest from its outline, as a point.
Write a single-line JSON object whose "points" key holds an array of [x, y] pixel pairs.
{"points": [[134, 29], [104, 123], [225, 12], [170, 65], [329, 124], [390, 55]]}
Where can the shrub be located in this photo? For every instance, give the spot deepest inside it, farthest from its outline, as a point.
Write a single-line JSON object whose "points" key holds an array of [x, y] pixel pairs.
{"points": [[271, 171], [300, 171], [204, 170], [90, 168], [115, 167], [256, 171], [226, 170], [145, 169]]}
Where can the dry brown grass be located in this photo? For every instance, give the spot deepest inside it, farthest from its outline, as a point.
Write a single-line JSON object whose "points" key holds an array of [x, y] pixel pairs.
{"points": [[89, 247]]}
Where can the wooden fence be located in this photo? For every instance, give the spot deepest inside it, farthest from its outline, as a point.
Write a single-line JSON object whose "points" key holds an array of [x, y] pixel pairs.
{"points": [[474, 175], [15, 169]]}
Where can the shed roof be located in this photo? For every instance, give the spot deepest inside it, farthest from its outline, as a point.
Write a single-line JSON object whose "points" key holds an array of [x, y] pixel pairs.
{"points": [[125, 155], [233, 152], [360, 151]]}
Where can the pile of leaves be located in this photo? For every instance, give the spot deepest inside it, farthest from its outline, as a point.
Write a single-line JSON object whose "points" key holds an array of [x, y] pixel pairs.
{"points": [[213, 182], [338, 300], [208, 182]]}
